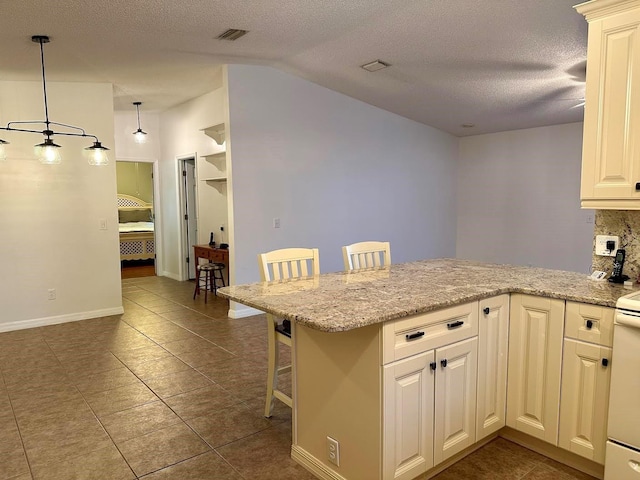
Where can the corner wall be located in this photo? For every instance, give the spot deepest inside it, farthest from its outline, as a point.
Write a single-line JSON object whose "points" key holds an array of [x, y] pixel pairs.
{"points": [[519, 199], [335, 171], [51, 214]]}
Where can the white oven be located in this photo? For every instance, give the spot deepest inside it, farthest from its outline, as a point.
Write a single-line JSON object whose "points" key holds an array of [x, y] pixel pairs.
{"points": [[623, 447]]}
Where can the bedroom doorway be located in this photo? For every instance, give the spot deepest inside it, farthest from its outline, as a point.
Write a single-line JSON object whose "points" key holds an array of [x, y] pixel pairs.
{"points": [[136, 218], [188, 195]]}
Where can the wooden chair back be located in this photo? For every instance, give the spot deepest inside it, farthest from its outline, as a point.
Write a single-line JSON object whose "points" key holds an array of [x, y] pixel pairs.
{"points": [[289, 263], [366, 255]]}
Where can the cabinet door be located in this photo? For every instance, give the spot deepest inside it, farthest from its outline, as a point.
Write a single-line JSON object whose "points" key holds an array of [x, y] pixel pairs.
{"points": [[408, 417], [493, 341], [535, 356], [585, 399], [455, 410], [611, 153]]}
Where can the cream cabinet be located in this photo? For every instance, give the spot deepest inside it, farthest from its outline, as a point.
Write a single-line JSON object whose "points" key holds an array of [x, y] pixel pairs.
{"points": [[493, 342], [455, 393], [585, 380], [408, 419], [433, 368], [611, 151], [535, 363]]}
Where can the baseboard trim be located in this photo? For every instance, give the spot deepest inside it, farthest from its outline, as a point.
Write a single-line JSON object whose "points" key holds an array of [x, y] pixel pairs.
{"points": [[71, 317], [311, 463], [237, 310], [555, 453], [172, 276]]}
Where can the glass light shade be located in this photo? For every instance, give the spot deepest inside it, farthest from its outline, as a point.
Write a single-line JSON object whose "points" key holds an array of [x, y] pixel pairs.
{"points": [[48, 153], [97, 154], [139, 136], [3, 151]]}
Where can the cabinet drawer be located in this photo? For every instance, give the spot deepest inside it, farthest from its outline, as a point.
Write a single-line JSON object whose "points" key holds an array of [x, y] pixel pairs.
{"points": [[589, 323], [419, 333]]}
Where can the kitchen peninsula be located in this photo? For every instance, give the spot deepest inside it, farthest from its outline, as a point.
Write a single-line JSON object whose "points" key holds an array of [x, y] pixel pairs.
{"points": [[406, 366]]}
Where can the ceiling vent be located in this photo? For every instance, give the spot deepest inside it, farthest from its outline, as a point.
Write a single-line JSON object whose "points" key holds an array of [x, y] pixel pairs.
{"points": [[232, 34], [375, 66]]}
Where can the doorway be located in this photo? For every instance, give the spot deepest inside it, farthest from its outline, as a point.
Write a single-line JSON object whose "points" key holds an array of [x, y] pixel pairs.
{"points": [[136, 218], [188, 211]]}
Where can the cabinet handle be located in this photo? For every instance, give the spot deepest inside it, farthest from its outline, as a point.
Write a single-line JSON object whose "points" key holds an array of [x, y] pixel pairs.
{"points": [[589, 324], [637, 186], [443, 363], [605, 362], [453, 325], [433, 365], [486, 310], [413, 336]]}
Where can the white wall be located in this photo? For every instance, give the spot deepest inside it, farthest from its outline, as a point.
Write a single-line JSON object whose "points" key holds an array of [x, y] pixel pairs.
{"points": [[181, 133], [335, 171], [50, 214], [519, 199]]}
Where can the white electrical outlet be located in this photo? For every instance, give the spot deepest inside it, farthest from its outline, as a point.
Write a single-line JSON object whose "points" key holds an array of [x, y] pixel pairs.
{"points": [[601, 245], [51, 294], [276, 222], [333, 451]]}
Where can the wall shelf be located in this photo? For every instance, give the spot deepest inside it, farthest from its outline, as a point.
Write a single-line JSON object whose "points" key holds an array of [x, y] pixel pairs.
{"points": [[216, 132], [215, 179], [215, 156]]}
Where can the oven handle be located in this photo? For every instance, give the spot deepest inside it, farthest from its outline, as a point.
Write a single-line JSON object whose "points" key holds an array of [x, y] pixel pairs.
{"points": [[626, 319]]}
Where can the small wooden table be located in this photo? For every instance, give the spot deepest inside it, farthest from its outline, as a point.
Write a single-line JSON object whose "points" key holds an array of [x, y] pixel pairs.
{"points": [[212, 254]]}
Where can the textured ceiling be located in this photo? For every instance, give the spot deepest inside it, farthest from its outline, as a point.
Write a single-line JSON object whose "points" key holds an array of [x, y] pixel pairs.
{"points": [[498, 64]]}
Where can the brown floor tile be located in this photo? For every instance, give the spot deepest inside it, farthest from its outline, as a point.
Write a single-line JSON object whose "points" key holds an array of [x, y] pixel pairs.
{"points": [[103, 381], [227, 425], [159, 449], [138, 421], [197, 403], [122, 398], [176, 383], [205, 356], [91, 364], [103, 464], [14, 460], [130, 357], [207, 465], [158, 366], [571, 473], [265, 455]]}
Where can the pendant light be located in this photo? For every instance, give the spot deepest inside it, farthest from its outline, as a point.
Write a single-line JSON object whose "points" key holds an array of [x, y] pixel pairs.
{"points": [[48, 152], [139, 135]]}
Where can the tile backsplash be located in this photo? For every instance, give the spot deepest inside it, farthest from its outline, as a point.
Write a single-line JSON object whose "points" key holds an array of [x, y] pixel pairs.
{"points": [[626, 225]]}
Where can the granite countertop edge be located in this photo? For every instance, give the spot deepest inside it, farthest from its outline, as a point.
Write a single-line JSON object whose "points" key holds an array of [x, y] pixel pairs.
{"points": [[336, 314]]}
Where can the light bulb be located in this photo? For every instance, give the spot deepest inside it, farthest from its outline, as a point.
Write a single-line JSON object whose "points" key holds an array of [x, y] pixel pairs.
{"points": [[48, 153], [97, 154], [3, 151], [140, 137]]}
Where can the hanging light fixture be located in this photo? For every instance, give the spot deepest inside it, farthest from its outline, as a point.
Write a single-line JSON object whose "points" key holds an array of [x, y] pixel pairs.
{"points": [[48, 152], [139, 135]]}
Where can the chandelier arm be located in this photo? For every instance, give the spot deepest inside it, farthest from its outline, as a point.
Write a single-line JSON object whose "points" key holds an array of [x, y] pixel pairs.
{"points": [[44, 84], [84, 133]]}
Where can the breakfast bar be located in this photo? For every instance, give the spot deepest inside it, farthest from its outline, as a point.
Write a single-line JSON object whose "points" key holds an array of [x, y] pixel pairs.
{"points": [[406, 366]]}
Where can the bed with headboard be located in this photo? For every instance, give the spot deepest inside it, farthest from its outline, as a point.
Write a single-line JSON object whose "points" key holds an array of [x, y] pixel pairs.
{"points": [[135, 224]]}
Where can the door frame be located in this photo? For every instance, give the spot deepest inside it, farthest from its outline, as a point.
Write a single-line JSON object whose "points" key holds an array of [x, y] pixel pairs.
{"points": [[183, 272], [157, 208]]}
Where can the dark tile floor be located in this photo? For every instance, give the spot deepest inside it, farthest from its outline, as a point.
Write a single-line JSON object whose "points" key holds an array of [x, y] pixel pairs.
{"points": [[171, 389]]}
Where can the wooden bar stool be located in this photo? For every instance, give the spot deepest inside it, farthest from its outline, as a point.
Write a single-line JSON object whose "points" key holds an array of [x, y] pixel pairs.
{"points": [[216, 276], [204, 276]]}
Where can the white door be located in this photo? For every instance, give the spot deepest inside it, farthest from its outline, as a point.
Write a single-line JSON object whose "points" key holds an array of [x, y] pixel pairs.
{"points": [[455, 419], [493, 341], [188, 196], [408, 417]]}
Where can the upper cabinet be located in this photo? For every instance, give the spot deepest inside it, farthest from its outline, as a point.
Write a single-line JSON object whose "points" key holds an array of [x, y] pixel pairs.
{"points": [[611, 150]]}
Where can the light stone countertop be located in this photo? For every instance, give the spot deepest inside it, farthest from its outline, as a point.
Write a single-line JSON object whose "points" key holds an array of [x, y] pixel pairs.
{"points": [[341, 301]]}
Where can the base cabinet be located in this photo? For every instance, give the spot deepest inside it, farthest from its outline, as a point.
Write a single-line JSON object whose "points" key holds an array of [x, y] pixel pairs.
{"points": [[408, 417], [585, 399], [535, 364], [455, 423], [493, 344]]}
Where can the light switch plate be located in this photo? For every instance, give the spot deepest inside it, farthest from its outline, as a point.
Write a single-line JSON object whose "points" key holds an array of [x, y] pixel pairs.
{"points": [[601, 245]]}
